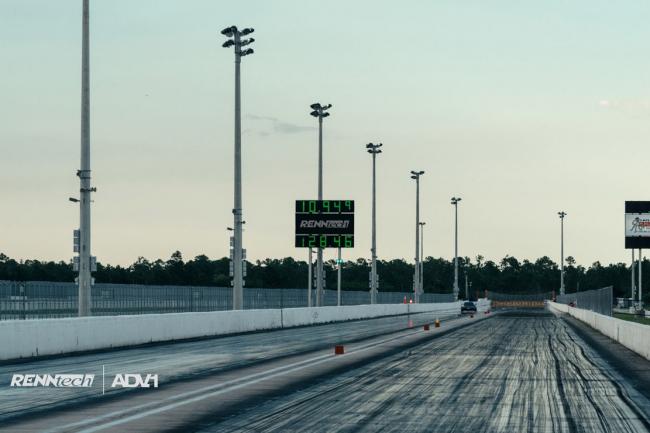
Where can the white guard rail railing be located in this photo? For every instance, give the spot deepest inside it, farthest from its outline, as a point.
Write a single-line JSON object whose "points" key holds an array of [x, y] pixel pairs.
{"points": [[634, 336], [39, 337]]}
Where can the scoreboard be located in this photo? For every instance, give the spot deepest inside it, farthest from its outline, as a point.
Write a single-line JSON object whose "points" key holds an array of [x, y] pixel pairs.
{"points": [[324, 224]]}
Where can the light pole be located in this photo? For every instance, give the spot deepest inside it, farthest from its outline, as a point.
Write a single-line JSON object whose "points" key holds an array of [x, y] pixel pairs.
{"points": [[562, 214], [86, 261], [466, 287], [235, 40], [422, 256], [454, 202], [320, 111], [374, 150], [417, 289]]}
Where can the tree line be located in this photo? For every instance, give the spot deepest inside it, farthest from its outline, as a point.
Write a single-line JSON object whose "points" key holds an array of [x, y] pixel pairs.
{"points": [[509, 275]]}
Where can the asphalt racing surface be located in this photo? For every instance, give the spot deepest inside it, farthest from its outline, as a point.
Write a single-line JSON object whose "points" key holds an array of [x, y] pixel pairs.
{"points": [[528, 373], [511, 372], [181, 361]]}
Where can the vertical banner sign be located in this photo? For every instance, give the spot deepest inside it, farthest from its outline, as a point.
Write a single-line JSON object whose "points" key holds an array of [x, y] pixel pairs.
{"points": [[637, 224], [324, 224]]}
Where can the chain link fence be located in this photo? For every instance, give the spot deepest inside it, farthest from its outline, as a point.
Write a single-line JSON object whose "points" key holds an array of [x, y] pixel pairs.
{"points": [[598, 300], [36, 299]]}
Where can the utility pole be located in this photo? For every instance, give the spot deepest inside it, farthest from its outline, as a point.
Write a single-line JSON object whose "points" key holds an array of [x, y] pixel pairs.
{"points": [[454, 202], [417, 288], [238, 251], [562, 214], [374, 150], [319, 111], [86, 262]]}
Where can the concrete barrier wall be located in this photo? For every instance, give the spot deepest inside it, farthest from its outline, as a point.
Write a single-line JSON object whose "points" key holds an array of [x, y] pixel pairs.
{"points": [[39, 337], [634, 336]]}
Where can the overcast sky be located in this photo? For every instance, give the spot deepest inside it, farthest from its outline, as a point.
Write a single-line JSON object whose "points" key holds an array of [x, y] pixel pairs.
{"points": [[522, 108]]}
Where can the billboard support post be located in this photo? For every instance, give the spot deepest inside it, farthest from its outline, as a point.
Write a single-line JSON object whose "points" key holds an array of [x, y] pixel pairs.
{"points": [[633, 294], [637, 235], [640, 286]]}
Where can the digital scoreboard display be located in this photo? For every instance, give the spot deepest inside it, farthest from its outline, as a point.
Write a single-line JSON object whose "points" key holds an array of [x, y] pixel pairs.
{"points": [[324, 224]]}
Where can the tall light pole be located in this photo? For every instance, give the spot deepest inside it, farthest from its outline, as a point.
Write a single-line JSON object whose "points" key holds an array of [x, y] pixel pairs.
{"points": [[235, 40], [417, 288], [454, 202], [466, 287], [422, 256], [562, 214], [374, 150], [320, 111], [86, 261]]}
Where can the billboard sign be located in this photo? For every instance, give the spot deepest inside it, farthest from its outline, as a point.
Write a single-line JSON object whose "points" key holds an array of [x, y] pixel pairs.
{"points": [[324, 224], [637, 224]]}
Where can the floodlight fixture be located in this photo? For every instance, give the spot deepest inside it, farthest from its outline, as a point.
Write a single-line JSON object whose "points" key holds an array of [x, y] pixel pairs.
{"points": [[229, 31]]}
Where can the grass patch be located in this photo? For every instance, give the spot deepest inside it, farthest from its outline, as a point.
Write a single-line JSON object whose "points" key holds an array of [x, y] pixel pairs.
{"points": [[633, 318]]}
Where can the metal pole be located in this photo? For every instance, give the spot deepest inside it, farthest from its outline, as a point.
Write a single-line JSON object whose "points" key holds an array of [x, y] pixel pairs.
{"points": [[632, 272], [640, 281], [319, 265], [562, 291], [338, 279], [456, 288], [416, 278], [309, 278], [422, 257], [84, 174], [466, 288], [373, 250], [238, 280]]}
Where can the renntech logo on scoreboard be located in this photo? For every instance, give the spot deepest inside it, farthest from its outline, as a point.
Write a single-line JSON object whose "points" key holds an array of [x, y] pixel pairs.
{"points": [[324, 223]]}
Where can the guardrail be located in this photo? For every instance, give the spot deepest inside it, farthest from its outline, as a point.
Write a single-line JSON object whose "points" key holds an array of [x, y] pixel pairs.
{"points": [[33, 338], [634, 336]]}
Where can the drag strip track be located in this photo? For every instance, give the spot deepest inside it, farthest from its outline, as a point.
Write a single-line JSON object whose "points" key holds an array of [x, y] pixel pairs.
{"points": [[183, 360], [526, 373], [182, 405]]}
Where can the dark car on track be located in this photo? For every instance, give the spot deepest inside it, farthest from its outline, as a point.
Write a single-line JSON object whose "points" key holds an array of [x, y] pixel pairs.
{"points": [[468, 308]]}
